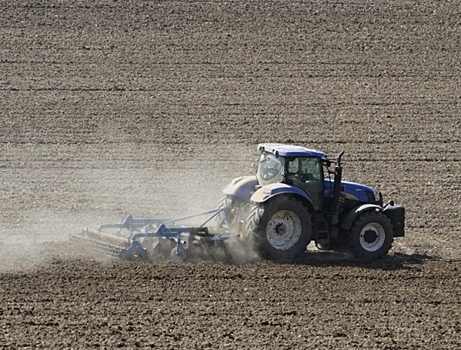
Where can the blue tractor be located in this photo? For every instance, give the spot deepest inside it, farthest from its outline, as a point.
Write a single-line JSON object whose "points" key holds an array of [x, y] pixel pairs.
{"points": [[298, 196]]}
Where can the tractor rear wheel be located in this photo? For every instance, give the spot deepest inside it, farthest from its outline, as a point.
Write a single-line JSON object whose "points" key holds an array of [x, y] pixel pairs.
{"points": [[234, 212], [371, 236], [280, 228]]}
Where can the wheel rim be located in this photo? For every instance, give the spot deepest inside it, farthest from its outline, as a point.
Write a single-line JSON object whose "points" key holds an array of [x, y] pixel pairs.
{"points": [[372, 237], [283, 230]]}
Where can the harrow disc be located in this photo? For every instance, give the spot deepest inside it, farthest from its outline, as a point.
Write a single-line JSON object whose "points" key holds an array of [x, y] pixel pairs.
{"points": [[178, 254]]}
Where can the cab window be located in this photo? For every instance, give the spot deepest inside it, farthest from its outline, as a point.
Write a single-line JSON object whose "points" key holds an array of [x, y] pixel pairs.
{"points": [[305, 169], [306, 173]]}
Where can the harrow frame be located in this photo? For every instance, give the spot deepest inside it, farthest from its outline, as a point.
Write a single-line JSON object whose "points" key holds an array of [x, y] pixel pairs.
{"points": [[165, 229]]}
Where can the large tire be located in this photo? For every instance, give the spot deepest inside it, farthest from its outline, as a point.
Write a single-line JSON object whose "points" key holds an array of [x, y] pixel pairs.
{"points": [[234, 213], [371, 236], [280, 228]]}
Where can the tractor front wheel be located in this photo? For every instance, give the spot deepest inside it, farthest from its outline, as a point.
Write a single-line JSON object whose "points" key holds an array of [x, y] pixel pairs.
{"points": [[371, 235], [280, 228]]}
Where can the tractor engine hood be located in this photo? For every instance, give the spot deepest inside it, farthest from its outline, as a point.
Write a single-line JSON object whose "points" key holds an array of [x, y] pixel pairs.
{"points": [[352, 191]]}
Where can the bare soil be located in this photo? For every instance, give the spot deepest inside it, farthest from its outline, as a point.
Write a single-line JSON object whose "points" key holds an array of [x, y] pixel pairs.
{"points": [[115, 107]]}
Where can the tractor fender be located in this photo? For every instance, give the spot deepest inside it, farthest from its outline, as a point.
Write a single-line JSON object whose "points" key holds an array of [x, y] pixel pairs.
{"points": [[241, 187], [269, 191], [348, 220]]}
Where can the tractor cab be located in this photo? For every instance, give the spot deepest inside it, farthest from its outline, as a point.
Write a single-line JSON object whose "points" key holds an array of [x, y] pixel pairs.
{"points": [[309, 170], [294, 166]]}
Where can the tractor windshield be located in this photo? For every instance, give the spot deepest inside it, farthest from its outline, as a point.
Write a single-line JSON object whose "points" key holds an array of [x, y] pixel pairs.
{"points": [[271, 169]]}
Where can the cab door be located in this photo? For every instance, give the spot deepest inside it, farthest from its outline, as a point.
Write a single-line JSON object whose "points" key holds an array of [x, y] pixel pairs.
{"points": [[306, 173]]}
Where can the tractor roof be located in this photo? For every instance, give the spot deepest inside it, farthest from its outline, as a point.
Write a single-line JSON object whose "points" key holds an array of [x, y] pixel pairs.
{"points": [[290, 150]]}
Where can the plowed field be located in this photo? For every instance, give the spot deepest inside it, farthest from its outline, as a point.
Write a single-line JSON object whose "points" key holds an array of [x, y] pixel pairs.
{"points": [[110, 108]]}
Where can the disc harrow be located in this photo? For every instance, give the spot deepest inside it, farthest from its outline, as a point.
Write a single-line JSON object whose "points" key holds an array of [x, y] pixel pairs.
{"points": [[148, 238]]}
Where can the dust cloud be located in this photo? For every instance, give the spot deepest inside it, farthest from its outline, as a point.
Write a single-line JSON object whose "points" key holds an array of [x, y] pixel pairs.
{"points": [[78, 190]]}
